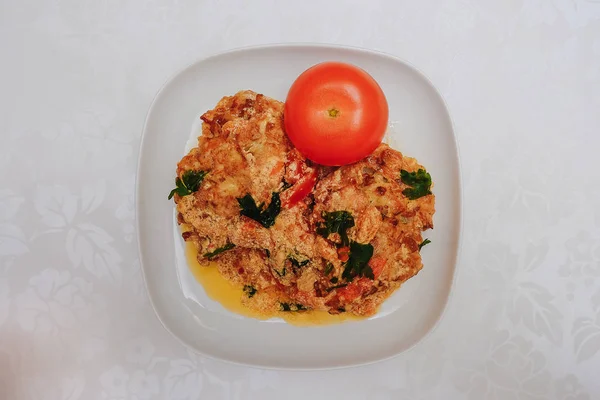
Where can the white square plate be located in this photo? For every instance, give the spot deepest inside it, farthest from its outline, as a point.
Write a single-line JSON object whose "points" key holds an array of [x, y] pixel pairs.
{"points": [[419, 127]]}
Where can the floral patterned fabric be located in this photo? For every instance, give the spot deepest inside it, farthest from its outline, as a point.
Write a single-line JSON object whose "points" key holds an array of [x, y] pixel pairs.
{"points": [[522, 83]]}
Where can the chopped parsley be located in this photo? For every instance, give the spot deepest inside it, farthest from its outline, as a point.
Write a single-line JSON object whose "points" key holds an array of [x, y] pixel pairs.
{"points": [[218, 251], [264, 216], [291, 307], [423, 243], [328, 269], [358, 263], [188, 183], [336, 222], [419, 182], [268, 253], [334, 280], [250, 290]]}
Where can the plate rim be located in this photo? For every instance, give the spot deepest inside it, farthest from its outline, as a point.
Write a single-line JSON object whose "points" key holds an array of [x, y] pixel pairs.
{"points": [[298, 45]]}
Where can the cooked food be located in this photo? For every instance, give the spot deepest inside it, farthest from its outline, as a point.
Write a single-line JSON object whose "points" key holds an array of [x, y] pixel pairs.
{"points": [[293, 235], [335, 113]]}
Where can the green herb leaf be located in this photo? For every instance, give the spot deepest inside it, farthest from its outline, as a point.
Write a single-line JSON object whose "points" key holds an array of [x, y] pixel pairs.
{"points": [[291, 307], [334, 280], [268, 253], [218, 251], [423, 243], [358, 263], [336, 222], [297, 264], [328, 269], [250, 290], [265, 217], [249, 207], [272, 211], [189, 182], [419, 181]]}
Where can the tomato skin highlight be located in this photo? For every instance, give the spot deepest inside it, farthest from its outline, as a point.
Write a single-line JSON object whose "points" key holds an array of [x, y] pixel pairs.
{"points": [[335, 113]]}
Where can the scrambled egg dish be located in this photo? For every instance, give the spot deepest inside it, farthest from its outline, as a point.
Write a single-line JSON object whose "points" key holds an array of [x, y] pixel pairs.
{"points": [[292, 235]]}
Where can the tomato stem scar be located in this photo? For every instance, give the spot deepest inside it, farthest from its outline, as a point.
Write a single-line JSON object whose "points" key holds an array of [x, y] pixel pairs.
{"points": [[333, 112]]}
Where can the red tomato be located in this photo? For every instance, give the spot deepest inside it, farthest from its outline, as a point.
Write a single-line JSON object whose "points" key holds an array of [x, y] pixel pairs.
{"points": [[344, 253], [377, 265], [355, 289], [349, 293], [300, 190], [300, 176], [335, 113]]}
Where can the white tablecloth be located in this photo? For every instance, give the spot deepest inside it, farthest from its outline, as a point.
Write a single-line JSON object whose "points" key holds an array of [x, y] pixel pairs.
{"points": [[522, 82]]}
